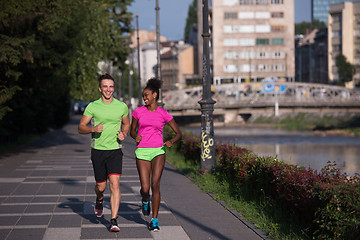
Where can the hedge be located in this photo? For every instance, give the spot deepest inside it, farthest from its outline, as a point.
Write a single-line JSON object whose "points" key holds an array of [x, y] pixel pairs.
{"points": [[326, 202]]}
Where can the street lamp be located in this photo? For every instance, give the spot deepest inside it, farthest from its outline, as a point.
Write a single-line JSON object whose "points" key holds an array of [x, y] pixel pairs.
{"points": [[207, 103], [158, 72], [138, 58]]}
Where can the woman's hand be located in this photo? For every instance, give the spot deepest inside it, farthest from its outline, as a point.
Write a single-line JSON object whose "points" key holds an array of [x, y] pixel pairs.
{"points": [[138, 138], [168, 144]]}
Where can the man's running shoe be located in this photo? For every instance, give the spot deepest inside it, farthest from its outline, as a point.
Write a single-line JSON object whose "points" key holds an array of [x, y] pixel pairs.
{"points": [[114, 227], [99, 207], [154, 225], [145, 207]]}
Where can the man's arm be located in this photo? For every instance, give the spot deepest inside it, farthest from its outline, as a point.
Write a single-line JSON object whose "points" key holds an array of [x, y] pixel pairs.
{"points": [[125, 127], [83, 127]]}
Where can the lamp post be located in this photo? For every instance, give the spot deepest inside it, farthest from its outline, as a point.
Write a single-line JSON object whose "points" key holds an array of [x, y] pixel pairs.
{"points": [[158, 72], [138, 58], [207, 103]]}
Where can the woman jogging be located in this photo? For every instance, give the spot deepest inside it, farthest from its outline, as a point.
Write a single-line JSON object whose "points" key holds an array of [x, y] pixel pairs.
{"points": [[149, 120]]}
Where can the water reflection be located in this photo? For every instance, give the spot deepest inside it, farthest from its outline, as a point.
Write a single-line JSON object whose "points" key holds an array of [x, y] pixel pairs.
{"points": [[302, 149]]}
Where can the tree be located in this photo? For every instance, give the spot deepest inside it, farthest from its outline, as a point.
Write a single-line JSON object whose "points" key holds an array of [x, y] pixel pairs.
{"points": [[303, 27], [346, 70], [49, 51], [191, 19]]}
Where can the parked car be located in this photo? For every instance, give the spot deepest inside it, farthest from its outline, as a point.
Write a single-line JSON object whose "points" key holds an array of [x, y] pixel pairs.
{"points": [[79, 107]]}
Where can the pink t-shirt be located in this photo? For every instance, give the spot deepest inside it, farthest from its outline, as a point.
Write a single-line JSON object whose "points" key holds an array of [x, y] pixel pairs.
{"points": [[151, 126]]}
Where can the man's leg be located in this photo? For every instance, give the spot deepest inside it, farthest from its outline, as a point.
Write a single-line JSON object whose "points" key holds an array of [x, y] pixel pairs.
{"points": [[115, 196], [99, 190]]}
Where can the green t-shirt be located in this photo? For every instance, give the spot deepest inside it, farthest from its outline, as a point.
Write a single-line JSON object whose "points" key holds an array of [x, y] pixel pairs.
{"points": [[111, 115]]}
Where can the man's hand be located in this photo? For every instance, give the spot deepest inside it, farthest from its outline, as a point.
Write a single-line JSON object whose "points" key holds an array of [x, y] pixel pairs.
{"points": [[121, 135], [98, 128]]}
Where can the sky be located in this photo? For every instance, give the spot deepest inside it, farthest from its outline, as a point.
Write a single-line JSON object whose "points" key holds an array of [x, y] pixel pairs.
{"points": [[173, 14]]}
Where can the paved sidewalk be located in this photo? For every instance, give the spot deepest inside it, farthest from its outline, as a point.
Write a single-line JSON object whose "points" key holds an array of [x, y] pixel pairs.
{"points": [[46, 192]]}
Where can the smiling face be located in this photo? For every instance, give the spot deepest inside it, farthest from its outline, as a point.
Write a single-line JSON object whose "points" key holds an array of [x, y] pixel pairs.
{"points": [[106, 89], [149, 97]]}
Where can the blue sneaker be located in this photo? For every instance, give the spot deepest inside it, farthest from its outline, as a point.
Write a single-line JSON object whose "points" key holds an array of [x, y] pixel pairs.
{"points": [[145, 207], [154, 225]]}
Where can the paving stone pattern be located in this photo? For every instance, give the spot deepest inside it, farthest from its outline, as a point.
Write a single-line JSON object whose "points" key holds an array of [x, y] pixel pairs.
{"points": [[47, 192]]}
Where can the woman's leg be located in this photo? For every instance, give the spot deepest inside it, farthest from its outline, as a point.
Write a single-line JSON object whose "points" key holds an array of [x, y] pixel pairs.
{"points": [[144, 169], [157, 168]]}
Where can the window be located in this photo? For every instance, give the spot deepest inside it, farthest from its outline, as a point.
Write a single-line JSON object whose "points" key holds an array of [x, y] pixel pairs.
{"points": [[262, 41], [278, 54], [230, 55], [246, 42], [246, 2], [246, 28], [277, 14], [277, 2], [262, 55], [230, 68], [278, 67], [262, 28], [230, 2], [277, 28], [277, 41], [246, 15], [262, 2], [230, 29], [229, 42], [230, 15], [263, 67], [262, 15], [246, 55], [246, 68]]}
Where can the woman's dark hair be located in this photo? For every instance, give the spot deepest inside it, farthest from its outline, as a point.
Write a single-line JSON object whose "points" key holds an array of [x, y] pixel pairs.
{"points": [[154, 85], [105, 76]]}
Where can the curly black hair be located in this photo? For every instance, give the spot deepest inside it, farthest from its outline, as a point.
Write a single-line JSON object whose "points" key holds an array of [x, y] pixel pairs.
{"points": [[154, 85]]}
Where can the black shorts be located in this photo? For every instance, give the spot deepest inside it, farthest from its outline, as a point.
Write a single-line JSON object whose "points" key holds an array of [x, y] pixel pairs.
{"points": [[106, 163]]}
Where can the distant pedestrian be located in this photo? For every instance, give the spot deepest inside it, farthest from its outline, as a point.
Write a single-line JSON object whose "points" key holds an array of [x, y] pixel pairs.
{"points": [[149, 120], [111, 126]]}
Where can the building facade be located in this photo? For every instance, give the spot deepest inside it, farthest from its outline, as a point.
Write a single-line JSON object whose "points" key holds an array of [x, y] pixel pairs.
{"points": [[320, 8], [177, 63], [344, 37], [252, 40]]}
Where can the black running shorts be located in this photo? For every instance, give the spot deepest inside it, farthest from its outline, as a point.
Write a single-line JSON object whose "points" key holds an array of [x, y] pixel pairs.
{"points": [[106, 163]]}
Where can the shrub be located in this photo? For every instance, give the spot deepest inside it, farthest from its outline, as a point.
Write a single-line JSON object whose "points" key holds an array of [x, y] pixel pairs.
{"points": [[325, 203]]}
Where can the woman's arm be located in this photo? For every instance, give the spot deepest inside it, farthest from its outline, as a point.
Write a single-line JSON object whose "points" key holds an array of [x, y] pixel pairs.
{"points": [[178, 134], [134, 126]]}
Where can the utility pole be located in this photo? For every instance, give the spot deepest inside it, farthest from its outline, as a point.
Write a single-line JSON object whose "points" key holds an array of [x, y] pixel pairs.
{"points": [[207, 103], [138, 58]]}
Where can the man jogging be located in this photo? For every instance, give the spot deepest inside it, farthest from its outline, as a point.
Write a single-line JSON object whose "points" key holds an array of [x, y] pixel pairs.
{"points": [[111, 126]]}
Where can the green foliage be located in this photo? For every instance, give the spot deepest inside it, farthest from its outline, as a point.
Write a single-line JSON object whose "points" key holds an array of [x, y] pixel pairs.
{"points": [[190, 20], [345, 69], [303, 27], [325, 204], [49, 54]]}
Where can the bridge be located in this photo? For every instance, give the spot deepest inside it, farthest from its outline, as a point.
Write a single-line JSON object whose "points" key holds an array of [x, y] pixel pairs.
{"points": [[271, 98]]}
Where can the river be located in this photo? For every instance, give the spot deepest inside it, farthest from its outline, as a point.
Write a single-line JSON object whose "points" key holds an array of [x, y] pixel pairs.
{"points": [[302, 149]]}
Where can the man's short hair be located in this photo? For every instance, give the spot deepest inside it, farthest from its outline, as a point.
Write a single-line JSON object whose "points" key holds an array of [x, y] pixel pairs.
{"points": [[105, 76]]}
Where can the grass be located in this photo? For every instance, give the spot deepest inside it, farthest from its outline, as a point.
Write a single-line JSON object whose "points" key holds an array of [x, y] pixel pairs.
{"points": [[310, 122], [262, 212]]}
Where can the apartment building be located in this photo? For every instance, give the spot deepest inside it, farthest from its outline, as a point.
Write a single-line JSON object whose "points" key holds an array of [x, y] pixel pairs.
{"points": [[320, 8], [252, 40], [176, 63], [344, 37]]}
